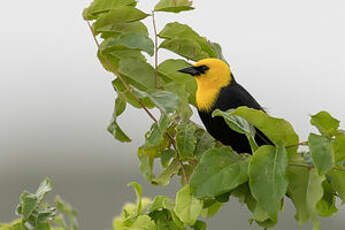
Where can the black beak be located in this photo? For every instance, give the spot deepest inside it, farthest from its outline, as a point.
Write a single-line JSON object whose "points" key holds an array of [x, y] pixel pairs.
{"points": [[190, 70]]}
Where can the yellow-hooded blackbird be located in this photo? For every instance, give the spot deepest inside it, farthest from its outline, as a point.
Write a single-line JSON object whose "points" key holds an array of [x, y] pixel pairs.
{"points": [[217, 89]]}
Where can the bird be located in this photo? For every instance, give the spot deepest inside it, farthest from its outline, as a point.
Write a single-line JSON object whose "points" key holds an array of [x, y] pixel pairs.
{"points": [[218, 89]]}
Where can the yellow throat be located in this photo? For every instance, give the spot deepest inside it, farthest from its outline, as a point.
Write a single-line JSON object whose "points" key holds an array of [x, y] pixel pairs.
{"points": [[211, 82]]}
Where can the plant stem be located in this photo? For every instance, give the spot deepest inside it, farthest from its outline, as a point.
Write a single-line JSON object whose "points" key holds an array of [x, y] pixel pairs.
{"points": [[298, 164], [341, 131], [301, 143], [156, 49], [130, 90], [186, 180]]}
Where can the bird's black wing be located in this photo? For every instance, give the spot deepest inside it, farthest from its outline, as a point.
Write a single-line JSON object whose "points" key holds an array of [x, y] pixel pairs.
{"points": [[233, 96]]}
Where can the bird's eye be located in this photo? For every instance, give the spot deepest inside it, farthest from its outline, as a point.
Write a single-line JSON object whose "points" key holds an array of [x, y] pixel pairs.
{"points": [[202, 69]]}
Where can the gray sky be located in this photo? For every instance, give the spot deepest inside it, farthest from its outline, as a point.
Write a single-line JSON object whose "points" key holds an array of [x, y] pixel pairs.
{"points": [[56, 100]]}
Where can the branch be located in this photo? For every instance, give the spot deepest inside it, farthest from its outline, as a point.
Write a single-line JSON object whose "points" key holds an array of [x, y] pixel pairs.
{"points": [[130, 90], [298, 164], [173, 142], [156, 48], [117, 74], [299, 144]]}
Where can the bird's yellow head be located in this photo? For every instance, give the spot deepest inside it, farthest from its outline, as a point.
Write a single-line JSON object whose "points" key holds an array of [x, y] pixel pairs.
{"points": [[211, 75]]}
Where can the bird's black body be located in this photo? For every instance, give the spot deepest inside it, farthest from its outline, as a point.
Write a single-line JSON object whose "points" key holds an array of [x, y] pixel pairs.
{"points": [[231, 97]]}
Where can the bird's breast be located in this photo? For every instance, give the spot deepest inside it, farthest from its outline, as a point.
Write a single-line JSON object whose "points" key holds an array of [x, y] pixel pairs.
{"points": [[206, 98]]}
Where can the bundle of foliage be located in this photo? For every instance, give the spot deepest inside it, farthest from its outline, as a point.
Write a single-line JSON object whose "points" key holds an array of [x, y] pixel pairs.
{"points": [[34, 214], [210, 172]]}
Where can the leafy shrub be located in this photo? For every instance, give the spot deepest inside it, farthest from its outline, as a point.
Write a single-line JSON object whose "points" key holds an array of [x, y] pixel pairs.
{"points": [[210, 172]]}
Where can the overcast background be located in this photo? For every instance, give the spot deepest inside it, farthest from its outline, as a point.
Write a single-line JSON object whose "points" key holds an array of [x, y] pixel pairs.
{"points": [[56, 99]]}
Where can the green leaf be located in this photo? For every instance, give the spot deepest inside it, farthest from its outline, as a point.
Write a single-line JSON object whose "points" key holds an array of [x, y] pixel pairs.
{"points": [[314, 195], [169, 69], [183, 111], [120, 89], [321, 153], [181, 31], [122, 53], [236, 123], [199, 225], [98, 7], [185, 47], [174, 6], [185, 139], [30, 201], [277, 130], [110, 60], [326, 206], [118, 29], [67, 210], [129, 218], [163, 220], [129, 41], [218, 50], [43, 213], [267, 177], [115, 129], [239, 125], [142, 222], [42, 226], [119, 15], [204, 143], [260, 216], [15, 225], [139, 192], [223, 198], [120, 105], [157, 134], [338, 182], [139, 73], [171, 170], [156, 141], [166, 101], [146, 164], [117, 132], [45, 187], [297, 191], [166, 156], [161, 202], [326, 124], [219, 171], [211, 210], [180, 225], [338, 146], [187, 208]]}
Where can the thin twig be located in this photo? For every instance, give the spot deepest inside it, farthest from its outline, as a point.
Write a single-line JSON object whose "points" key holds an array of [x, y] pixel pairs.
{"points": [[130, 90], [341, 131], [339, 169], [297, 164], [156, 48], [194, 163], [299, 144], [179, 159]]}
